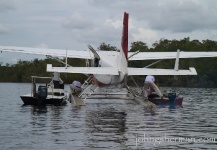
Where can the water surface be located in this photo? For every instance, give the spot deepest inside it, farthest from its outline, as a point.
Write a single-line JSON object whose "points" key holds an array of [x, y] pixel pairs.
{"points": [[107, 124]]}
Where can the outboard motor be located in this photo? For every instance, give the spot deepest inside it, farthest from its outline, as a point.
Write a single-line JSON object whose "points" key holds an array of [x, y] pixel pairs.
{"points": [[172, 97], [42, 95]]}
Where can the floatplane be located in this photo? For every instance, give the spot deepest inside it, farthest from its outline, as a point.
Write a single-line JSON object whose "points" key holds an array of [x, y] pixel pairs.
{"points": [[110, 68]]}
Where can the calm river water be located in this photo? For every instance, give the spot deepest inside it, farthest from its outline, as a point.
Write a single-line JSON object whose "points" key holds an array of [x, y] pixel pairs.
{"points": [[107, 124]]}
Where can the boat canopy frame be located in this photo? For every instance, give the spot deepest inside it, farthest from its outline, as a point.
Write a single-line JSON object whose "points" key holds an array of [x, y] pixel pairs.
{"points": [[33, 89]]}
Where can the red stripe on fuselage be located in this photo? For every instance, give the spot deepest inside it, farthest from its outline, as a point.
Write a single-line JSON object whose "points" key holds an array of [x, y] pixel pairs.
{"points": [[98, 83]]}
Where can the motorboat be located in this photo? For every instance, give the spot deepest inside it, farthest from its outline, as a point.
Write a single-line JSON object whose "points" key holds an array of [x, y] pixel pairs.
{"points": [[52, 93], [172, 99]]}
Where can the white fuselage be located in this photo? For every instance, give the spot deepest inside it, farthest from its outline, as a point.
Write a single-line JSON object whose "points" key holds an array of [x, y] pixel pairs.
{"points": [[112, 59]]}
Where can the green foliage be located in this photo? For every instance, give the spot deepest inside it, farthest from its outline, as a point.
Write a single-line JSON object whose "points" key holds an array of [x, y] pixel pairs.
{"points": [[23, 70], [107, 47], [135, 46]]}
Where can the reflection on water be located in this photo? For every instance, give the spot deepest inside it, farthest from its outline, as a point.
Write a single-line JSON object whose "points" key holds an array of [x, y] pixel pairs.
{"points": [[108, 124], [106, 127]]}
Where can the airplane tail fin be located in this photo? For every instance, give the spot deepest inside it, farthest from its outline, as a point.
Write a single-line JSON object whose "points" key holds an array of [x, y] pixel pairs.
{"points": [[124, 41], [123, 57]]}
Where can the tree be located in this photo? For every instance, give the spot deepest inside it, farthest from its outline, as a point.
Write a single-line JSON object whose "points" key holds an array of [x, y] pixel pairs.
{"points": [[135, 46], [107, 47]]}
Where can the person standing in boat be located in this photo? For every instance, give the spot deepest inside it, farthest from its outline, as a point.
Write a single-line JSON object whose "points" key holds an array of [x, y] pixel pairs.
{"points": [[56, 82], [149, 85]]}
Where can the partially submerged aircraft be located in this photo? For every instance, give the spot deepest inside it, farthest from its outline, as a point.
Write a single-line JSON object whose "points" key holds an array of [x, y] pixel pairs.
{"points": [[111, 67]]}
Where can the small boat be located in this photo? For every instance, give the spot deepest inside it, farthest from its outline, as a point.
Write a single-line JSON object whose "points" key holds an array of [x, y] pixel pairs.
{"points": [[171, 99], [46, 93]]}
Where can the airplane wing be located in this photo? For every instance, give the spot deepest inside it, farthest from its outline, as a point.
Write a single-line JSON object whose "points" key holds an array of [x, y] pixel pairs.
{"points": [[84, 70], [169, 55], [53, 52], [151, 71]]}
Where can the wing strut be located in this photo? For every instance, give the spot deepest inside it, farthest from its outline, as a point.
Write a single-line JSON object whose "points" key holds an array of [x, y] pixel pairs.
{"points": [[57, 59], [66, 59], [153, 63], [176, 67], [133, 54]]}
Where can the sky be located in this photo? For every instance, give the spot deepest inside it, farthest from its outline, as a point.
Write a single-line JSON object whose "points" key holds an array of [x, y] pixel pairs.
{"points": [[73, 24]]}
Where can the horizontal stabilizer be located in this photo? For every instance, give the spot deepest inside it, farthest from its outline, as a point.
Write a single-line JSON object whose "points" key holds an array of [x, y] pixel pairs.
{"points": [[84, 70], [151, 71]]}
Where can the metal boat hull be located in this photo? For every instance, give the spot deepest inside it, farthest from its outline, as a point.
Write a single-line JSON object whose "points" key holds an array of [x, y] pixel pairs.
{"points": [[158, 101], [29, 100]]}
